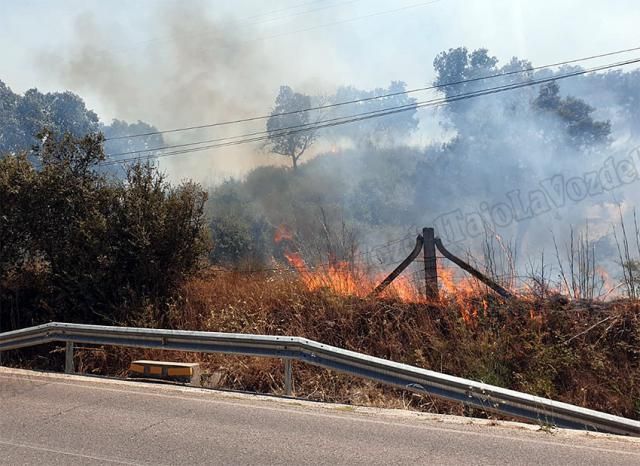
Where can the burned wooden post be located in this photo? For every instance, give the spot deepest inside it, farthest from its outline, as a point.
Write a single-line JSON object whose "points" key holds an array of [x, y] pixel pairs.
{"points": [[398, 270], [430, 243], [430, 265], [468, 268]]}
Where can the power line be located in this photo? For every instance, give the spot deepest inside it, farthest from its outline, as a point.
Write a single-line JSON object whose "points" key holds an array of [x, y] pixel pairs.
{"points": [[242, 22], [299, 13], [382, 96], [262, 18], [320, 26], [264, 135], [353, 118], [324, 123]]}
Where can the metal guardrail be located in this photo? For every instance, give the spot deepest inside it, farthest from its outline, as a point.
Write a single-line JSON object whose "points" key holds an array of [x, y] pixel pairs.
{"points": [[476, 394]]}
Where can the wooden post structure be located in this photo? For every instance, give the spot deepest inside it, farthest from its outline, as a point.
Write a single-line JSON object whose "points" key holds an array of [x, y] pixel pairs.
{"points": [[398, 270], [430, 265], [468, 268], [430, 243]]}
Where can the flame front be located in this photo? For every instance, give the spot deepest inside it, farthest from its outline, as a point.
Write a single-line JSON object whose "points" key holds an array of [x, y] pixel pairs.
{"points": [[350, 279], [347, 279], [283, 233]]}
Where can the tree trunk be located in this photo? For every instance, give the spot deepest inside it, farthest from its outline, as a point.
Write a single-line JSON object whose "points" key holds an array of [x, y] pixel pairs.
{"points": [[294, 161]]}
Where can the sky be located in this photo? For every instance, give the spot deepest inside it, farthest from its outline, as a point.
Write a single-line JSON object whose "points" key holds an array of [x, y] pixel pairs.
{"points": [[180, 63]]}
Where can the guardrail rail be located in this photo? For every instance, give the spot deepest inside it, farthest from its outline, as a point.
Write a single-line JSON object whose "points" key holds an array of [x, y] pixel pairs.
{"points": [[479, 395]]}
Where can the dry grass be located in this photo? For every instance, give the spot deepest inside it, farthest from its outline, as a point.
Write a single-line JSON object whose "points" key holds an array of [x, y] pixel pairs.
{"points": [[580, 352]]}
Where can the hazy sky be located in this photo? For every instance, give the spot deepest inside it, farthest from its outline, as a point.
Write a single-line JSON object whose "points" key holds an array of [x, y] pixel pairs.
{"points": [[175, 63]]}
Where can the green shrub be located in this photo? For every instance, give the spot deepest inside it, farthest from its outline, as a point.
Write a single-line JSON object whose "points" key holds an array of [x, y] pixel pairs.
{"points": [[78, 246]]}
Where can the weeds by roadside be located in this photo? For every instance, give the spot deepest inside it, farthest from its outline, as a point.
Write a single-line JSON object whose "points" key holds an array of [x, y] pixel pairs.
{"points": [[581, 352]]}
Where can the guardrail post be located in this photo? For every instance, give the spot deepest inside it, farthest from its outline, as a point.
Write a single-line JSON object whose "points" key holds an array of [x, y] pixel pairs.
{"points": [[509, 403], [68, 358], [287, 377]]}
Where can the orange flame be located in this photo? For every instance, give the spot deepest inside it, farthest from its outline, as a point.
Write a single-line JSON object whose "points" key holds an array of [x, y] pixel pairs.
{"points": [[347, 279], [338, 277], [461, 291], [283, 233], [609, 287]]}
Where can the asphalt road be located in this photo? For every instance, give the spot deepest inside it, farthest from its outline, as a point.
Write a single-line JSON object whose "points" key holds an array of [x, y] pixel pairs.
{"points": [[57, 419]]}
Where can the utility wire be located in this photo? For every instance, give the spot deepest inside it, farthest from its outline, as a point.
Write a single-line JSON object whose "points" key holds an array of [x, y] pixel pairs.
{"points": [[265, 135], [322, 123], [235, 23], [381, 96], [307, 29]]}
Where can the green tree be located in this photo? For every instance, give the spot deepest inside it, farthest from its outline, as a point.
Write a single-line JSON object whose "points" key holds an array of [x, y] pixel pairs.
{"points": [[61, 112], [290, 143], [22, 117], [391, 129], [576, 116], [458, 65], [117, 141], [241, 234]]}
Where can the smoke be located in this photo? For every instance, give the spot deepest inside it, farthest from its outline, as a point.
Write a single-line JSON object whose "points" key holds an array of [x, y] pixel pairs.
{"points": [[192, 68], [516, 177]]}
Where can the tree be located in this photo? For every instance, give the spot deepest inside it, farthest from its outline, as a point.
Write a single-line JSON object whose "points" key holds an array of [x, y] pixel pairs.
{"points": [[576, 115], [117, 142], [291, 143], [485, 125], [459, 65], [11, 131], [22, 117], [241, 235], [391, 129], [468, 70]]}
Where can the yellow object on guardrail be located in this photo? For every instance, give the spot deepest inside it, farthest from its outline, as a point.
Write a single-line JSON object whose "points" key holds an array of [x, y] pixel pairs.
{"points": [[179, 371]]}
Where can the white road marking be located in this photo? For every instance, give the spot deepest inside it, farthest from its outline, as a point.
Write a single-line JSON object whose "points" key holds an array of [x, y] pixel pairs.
{"points": [[347, 416], [66, 453]]}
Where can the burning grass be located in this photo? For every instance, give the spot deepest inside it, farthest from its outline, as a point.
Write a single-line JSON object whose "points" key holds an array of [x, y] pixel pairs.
{"points": [[580, 352]]}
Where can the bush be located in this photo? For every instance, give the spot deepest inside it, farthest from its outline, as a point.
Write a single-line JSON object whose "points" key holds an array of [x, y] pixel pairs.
{"points": [[77, 246], [241, 234]]}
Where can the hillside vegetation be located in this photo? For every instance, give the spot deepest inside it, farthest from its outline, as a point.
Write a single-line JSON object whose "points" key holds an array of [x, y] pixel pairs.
{"points": [[579, 352], [96, 241]]}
